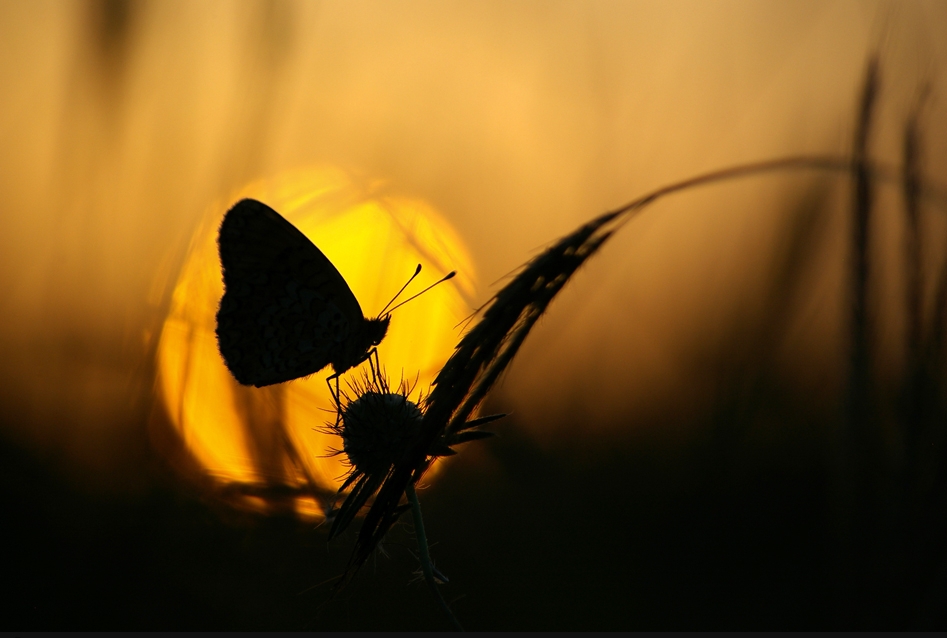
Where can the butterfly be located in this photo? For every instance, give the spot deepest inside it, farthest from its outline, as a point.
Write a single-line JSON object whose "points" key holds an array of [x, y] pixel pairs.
{"points": [[286, 311]]}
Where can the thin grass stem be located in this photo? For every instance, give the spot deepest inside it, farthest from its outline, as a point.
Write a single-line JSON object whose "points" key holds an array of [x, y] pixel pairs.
{"points": [[427, 568]]}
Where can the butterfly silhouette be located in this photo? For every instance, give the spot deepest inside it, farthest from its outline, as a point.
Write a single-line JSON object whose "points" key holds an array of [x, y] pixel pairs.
{"points": [[286, 311]]}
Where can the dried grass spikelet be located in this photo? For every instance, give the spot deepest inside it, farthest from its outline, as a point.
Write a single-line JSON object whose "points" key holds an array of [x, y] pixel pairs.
{"points": [[461, 385], [487, 349]]}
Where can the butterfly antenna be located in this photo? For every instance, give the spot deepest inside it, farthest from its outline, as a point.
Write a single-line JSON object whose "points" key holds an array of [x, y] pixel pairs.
{"points": [[449, 275], [416, 271]]}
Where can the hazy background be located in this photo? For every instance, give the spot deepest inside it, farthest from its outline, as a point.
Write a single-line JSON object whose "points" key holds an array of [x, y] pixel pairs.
{"points": [[121, 122]]}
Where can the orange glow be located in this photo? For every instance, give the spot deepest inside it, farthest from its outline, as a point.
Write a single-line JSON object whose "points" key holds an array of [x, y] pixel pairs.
{"points": [[122, 121], [273, 436]]}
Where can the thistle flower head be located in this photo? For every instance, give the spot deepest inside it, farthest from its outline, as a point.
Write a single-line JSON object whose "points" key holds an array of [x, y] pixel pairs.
{"points": [[381, 431], [379, 428]]}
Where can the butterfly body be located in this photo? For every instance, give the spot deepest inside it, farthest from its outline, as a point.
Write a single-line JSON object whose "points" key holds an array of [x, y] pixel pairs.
{"points": [[286, 311]]}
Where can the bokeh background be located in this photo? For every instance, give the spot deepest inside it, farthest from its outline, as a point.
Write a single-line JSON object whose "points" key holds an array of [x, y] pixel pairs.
{"points": [[670, 458]]}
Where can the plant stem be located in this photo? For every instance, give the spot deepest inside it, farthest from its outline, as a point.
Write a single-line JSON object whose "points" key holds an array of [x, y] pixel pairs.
{"points": [[427, 568]]}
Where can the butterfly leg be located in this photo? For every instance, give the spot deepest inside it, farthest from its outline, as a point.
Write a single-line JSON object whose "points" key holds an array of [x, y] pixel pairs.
{"points": [[334, 391], [374, 365]]}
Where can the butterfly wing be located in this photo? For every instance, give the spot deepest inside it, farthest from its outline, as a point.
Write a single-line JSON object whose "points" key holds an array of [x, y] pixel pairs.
{"points": [[286, 311]]}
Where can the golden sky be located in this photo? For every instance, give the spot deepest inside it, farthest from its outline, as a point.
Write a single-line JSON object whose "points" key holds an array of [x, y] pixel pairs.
{"points": [[124, 126]]}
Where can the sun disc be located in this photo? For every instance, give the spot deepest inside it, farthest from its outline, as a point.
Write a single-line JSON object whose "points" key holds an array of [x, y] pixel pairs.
{"points": [[271, 441]]}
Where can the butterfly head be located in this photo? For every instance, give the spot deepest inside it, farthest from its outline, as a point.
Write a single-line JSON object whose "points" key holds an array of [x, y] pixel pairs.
{"points": [[376, 329], [357, 347]]}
